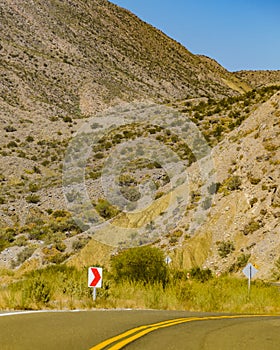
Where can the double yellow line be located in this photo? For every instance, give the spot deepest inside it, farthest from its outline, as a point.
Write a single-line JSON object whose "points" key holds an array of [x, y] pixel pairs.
{"points": [[131, 335]]}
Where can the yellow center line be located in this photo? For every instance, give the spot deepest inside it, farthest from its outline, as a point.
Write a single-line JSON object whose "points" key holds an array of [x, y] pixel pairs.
{"points": [[129, 332], [138, 332]]}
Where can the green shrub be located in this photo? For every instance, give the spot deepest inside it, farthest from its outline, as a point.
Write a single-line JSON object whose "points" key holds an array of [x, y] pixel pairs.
{"points": [[60, 246], [33, 198], [225, 248], [240, 262], [233, 183], [253, 201], [105, 209], [131, 193], [140, 264], [201, 275], [126, 180], [23, 255], [40, 288], [99, 155], [34, 187], [7, 236], [29, 138], [60, 214], [34, 290], [10, 128], [67, 119], [21, 241], [53, 255], [12, 144], [251, 227], [80, 243], [173, 240], [95, 175], [36, 170], [159, 194], [254, 181]]}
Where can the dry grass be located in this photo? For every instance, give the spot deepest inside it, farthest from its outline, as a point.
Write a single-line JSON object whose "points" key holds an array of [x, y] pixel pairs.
{"points": [[61, 287]]}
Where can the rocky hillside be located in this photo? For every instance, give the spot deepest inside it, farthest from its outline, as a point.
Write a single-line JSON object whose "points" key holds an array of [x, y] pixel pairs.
{"points": [[244, 221], [61, 62], [259, 78], [74, 57]]}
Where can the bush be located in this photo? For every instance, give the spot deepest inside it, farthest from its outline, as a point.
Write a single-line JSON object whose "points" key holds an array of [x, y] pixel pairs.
{"points": [[29, 138], [234, 183], [60, 213], [23, 255], [140, 264], [130, 193], [240, 262], [10, 128], [201, 275], [33, 198], [105, 209], [7, 236], [225, 248], [34, 187], [253, 201], [67, 119], [80, 243], [60, 246], [254, 180], [126, 180], [251, 227], [95, 175], [37, 290], [12, 144]]}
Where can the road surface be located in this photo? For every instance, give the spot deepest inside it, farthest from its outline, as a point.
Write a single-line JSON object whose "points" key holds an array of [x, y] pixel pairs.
{"points": [[93, 330]]}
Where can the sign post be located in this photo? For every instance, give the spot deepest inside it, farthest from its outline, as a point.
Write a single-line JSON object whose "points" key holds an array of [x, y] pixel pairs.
{"points": [[249, 271], [168, 260], [94, 279]]}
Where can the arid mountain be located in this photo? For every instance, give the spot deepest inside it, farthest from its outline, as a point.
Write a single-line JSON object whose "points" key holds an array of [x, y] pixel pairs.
{"points": [[63, 61], [74, 57], [243, 223], [259, 78]]}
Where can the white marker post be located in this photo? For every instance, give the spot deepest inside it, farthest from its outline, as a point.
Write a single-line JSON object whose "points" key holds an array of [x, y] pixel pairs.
{"points": [[94, 279], [94, 293], [168, 260], [249, 271]]}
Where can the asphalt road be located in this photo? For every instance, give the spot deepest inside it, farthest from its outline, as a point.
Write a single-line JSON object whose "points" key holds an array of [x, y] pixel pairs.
{"points": [[137, 330]]}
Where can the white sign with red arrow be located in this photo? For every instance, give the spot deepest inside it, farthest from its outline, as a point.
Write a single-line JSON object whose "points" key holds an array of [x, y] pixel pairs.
{"points": [[95, 277]]}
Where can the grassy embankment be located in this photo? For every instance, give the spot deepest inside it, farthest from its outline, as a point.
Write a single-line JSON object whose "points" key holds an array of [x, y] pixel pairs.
{"points": [[62, 287]]}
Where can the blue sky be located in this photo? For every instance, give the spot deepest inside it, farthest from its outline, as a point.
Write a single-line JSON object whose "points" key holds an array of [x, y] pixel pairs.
{"points": [[239, 34]]}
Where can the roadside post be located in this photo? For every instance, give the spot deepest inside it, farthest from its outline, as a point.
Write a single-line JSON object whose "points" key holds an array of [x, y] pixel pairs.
{"points": [[94, 279], [249, 271], [168, 260]]}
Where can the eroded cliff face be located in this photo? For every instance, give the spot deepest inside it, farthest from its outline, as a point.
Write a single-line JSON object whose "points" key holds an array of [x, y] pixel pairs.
{"points": [[248, 215]]}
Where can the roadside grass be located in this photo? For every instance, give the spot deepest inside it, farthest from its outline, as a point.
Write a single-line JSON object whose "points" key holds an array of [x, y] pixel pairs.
{"points": [[223, 294], [54, 287], [65, 287]]}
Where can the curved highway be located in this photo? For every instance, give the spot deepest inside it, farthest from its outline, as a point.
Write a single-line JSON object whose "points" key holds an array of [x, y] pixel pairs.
{"points": [[143, 329]]}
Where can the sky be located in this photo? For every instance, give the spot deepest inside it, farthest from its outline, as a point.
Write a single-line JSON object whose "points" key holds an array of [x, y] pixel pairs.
{"points": [[239, 34]]}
